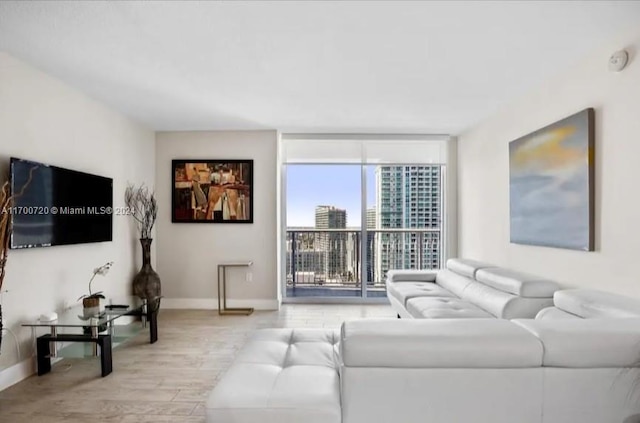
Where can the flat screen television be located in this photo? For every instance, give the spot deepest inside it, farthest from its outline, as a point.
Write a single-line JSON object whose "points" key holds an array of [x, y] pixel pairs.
{"points": [[58, 206]]}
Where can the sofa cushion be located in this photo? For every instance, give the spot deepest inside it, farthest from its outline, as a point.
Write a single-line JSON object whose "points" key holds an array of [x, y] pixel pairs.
{"points": [[587, 343], [465, 267], [452, 281], [555, 313], [475, 343], [283, 375], [589, 303], [411, 275], [444, 308], [402, 291], [517, 283], [503, 304]]}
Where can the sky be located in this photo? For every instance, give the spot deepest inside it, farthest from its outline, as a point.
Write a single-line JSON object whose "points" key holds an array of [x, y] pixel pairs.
{"points": [[309, 186]]}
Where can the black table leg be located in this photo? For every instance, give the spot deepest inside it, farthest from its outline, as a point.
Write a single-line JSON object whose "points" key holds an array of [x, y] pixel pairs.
{"points": [[106, 360], [44, 355], [153, 325], [149, 312]]}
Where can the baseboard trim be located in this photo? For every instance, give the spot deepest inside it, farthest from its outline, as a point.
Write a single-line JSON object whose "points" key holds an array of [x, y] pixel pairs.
{"points": [[17, 373], [212, 303]]}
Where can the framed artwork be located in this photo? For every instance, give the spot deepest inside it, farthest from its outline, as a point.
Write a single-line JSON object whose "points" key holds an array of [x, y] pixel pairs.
{"points": [[551, 184], [212, 191]]}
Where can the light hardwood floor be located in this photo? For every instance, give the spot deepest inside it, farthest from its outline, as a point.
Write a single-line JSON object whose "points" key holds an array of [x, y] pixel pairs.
{"points": [[164, 382]]}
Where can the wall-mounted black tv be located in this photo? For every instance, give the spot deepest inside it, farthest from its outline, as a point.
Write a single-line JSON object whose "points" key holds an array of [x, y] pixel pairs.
{"points": [[58, 206]]}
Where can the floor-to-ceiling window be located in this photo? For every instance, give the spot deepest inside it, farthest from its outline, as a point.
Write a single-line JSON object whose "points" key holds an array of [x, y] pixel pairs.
{"points": [[323, 221], [355, 207]]}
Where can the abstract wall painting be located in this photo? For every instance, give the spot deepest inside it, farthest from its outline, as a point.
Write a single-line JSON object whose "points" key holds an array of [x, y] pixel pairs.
{"points": [[212, 191], [551, 185]]}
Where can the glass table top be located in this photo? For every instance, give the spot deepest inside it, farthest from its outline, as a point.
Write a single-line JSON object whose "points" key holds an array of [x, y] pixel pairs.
{"points": [[79, 316]]}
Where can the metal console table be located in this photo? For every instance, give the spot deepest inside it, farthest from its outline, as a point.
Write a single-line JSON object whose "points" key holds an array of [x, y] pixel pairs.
{"points": [[222, 289]]}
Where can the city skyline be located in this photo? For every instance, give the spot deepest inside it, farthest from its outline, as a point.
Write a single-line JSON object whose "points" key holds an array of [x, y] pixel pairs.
{"points": [[403, 196], [309, 186]]}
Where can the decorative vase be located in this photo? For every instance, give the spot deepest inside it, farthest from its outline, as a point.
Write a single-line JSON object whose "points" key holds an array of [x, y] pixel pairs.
{"points": [[92, 302], [146, 284]]}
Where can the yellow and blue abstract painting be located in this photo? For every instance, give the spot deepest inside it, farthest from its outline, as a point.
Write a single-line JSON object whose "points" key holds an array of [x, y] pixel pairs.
{"points": [[551, 185]]}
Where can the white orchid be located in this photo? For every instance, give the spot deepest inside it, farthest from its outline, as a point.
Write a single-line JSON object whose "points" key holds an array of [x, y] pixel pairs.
{"points": [[102, 270]]}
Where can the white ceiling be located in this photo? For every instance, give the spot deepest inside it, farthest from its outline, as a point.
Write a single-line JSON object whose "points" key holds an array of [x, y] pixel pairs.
{"points": [[308, 66]]}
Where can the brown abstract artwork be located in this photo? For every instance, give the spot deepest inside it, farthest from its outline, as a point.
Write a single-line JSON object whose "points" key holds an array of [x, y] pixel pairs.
{"points": [[212, 191]]}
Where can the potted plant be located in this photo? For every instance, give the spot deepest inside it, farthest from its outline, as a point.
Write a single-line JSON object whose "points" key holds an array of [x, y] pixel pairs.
{"points": [[92, 300], [143, 207]]}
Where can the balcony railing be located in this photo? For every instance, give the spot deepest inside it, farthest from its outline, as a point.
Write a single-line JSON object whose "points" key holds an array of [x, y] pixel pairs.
{"points": [[332, 258]]}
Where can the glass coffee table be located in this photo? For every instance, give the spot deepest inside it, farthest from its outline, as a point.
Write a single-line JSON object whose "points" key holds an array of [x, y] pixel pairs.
{"points": [[96, 326]]}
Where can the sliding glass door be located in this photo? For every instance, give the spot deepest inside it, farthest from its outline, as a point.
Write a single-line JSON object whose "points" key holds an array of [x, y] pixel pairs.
{"points": [[347, 224], [323, 220]]}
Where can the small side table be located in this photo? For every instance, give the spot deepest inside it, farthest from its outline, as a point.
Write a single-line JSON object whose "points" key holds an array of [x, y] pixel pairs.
{"points": [[222, 293]]}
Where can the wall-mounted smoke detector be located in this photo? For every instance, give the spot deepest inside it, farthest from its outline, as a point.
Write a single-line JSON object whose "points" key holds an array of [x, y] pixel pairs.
{"points": [[618, 60]]}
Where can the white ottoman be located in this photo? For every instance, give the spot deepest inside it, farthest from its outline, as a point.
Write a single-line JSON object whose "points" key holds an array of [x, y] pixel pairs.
{"points": [[280, 376]]}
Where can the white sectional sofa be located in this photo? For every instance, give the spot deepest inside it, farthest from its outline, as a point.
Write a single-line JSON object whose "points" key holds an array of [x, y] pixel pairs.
{"points": [[589, 304], [552, 369], [490, 371], [468, 289]]}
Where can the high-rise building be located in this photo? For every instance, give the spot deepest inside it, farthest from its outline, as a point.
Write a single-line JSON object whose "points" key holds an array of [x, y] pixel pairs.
{"points": [[407, 197], [353, 257], [334, 245], [330, 217], [371, 218], [371, 245], [305, 260]]}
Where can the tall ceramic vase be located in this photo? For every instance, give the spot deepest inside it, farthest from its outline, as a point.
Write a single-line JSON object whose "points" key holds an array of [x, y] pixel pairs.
{"points": [[146, 284]]}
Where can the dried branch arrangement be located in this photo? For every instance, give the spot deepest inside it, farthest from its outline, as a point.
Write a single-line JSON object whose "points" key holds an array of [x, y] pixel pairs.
{"points": [[143, 207], [6, 201]]}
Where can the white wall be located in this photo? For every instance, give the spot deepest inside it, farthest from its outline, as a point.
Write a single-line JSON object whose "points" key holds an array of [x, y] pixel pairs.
{"points": [[484, 175], [188, 253], [44, 120]]}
